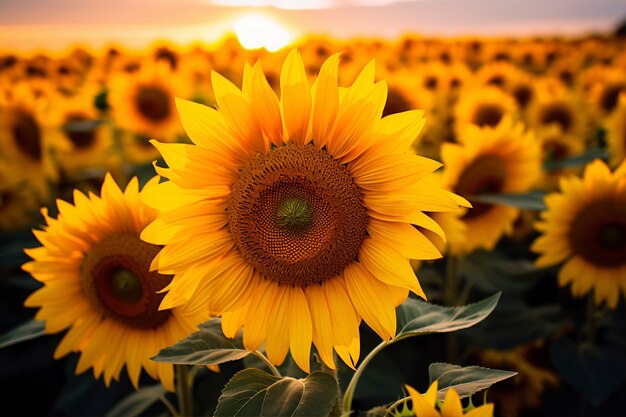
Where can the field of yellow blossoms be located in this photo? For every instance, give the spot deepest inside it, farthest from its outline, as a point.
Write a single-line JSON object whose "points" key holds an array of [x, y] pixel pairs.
{"points": [[419, 227]]}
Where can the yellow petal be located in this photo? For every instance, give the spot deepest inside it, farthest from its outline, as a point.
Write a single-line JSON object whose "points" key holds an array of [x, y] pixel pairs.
{"points": [[266, 106], [295, 98], [326, 101], [320, 316], [389, 266], [451, 405], [421, 407], [277, 344], [404, 238], [372, 299], [300, 328]]}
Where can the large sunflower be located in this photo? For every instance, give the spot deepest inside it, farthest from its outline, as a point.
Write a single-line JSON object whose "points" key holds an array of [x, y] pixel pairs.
{"points": [[97, 284], [294, 216], [585, 227], [500, 160]]}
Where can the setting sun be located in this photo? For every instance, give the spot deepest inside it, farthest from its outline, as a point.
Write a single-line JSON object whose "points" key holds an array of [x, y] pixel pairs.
{"points": [[256, 31]]}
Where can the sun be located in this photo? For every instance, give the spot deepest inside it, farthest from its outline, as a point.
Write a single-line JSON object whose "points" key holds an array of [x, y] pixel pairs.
{"points": [[255, 31]]}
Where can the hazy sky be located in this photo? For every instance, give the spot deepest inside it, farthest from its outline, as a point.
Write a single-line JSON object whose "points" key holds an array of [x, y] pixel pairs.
{"points": [[53, 23]]}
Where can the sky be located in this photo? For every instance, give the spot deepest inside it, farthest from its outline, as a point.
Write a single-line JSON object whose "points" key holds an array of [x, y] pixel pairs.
{"points": [[52, 24]]}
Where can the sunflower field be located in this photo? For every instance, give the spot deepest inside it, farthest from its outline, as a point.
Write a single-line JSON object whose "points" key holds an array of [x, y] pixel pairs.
{"points": [[412, 227]]}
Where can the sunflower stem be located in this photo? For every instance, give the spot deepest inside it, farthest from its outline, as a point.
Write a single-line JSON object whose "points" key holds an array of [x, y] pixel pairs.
{"points": [[451, 298], [269, 364], [590, 327], [183, 390], [349, 394], [394, 406], [170, 407], [336, 410]]}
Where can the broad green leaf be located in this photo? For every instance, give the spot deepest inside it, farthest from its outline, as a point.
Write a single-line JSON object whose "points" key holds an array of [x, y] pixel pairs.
{"points": [[137, 402], [577, 160], [82, 126], [252, 392], [208, 346], [528, 201], [492, 271], [595, 371], [28, 330], [416, 317], [465, 380]]}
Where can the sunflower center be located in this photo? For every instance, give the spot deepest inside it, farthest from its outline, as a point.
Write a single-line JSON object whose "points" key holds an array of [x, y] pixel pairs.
{"points": [[27, 135], [559, 114], [522, 94], [488, 115], [598, 234], [554, 151], [296, 215], [125, 286], [430, 83], [116, 279], [485, 175], [496, 80], [6, 197], [79, 129], [153, 103], [610, 95]]}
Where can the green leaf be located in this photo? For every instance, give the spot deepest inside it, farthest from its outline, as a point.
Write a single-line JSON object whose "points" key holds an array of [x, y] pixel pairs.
{"points": [[416, 317], [578, 160], [208, 346], [252, 392], [28, 330], [528, 201], [137, 402], [82, 126], [465, 380]]}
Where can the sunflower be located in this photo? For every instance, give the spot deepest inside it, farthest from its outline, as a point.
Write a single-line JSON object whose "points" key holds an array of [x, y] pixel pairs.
{"points": [[293, 217], [555, 105], [483, 106], [499, 74], [143, 102], [557, 146], [584, 226], [426, 405], [615, 126], [500, 160], [605, 92], [88, 139], [97, 284], [26, 139]]}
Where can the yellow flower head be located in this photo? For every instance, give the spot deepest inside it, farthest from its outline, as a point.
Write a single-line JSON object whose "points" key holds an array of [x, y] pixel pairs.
{"points": [[501, 160], [426, 405], [97, 284], [585, 227], [293, 216]]}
